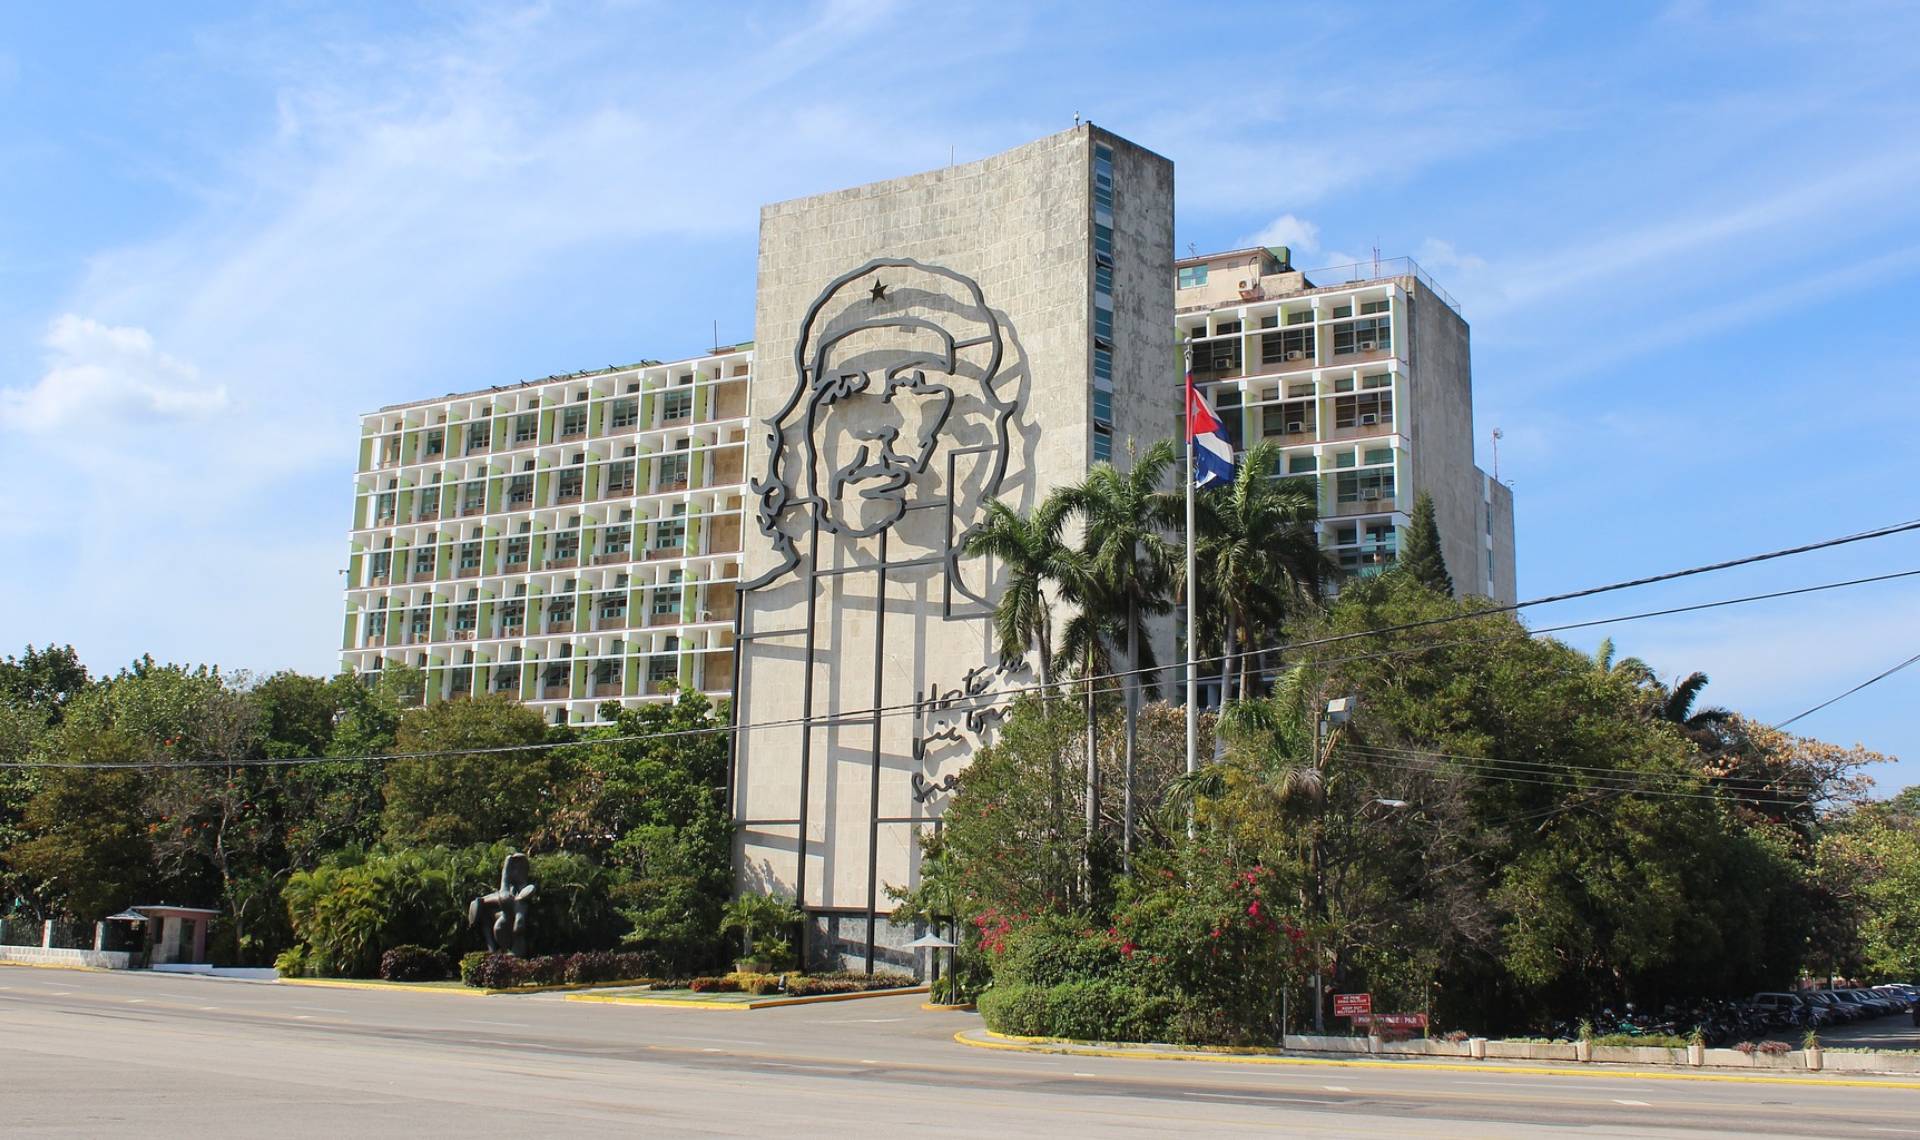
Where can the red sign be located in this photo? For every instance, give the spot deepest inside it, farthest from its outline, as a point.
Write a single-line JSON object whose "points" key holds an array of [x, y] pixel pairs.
{"points": [[1392, 1020], [1352, 1005]]}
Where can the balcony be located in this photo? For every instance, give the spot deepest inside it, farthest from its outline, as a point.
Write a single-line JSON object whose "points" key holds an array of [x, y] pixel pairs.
{"points": [[516, 560], [566, 562], [612, 556], [670, 617], [607, 689], [612, 621], [560, 626], [665, 485], [375, 641], [473, 509], [427, 514], [555, 692], [566, 497], [377, 581], [658, 553], [470, 571], [572, 433]]}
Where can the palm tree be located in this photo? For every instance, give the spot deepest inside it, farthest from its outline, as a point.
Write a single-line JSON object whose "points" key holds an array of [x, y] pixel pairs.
{"points": [[1034, 556], [1260, 559], [1127, 517], [1678, 708]]}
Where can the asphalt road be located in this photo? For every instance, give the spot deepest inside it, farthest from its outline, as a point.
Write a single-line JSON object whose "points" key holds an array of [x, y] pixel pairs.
{"points": [[96, 1054]]}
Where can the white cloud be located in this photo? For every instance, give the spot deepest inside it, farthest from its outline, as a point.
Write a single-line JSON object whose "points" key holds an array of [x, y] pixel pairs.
{"points": [[99, 373], [1298, 234], [1441, 256]]}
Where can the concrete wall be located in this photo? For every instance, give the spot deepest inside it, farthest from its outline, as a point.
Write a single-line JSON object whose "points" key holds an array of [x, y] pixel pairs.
{"points": [[46, 956], [1017, 225], [1440, 424], [1505, 586]]}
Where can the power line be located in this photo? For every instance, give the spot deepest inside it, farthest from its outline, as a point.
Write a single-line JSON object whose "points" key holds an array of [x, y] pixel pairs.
{"points": [[1501, 775], [1008, 695], [1870, 680]]}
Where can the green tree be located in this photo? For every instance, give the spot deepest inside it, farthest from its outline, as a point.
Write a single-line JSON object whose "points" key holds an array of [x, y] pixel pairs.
{"points": [[1126, 519], [476, 771], [1420, 556], [1034, 556], [88, 845], [654, 780], [44, 680], [1258, 557]]}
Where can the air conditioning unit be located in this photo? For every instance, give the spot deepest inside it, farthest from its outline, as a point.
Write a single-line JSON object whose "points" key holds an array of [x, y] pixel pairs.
{"points": [[1295, 354], [1369, 420], [1366, 346], [1293, 426]]}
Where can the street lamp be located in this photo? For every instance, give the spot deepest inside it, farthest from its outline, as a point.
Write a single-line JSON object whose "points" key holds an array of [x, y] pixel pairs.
{"points": [[1338, 711]]}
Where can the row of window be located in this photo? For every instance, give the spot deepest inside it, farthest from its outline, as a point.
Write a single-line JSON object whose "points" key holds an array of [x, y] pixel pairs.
{"points": [[676, 405], [1102, 303], [1290, 346]]}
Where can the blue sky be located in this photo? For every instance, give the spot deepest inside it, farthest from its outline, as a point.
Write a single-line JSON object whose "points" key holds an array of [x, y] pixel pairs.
{"points": [[1685, 237]]}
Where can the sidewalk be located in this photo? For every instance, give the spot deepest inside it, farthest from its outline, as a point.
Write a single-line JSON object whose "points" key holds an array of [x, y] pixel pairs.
{"points": [[987, 1039]]}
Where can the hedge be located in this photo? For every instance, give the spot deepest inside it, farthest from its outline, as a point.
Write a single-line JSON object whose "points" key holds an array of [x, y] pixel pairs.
{"points": [[414, 964], [1097, 1010], [505, 972]]}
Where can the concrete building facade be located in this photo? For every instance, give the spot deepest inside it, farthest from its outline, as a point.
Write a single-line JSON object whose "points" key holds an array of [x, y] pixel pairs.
{"points": [[785, 522], [927, 345], [1364, 379]]}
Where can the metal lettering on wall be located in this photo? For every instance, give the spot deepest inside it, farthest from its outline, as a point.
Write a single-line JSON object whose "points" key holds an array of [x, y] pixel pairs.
{"points": [[898, 430]]}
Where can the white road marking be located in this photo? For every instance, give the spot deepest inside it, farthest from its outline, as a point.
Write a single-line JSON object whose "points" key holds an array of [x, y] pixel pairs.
{"points": [[1084, 1074], [1632, 1103], [208, 1008], [865, 1020], [869, 1062], [713, 1050], [1336, 1088], [303, 1017], [136, 1001]]}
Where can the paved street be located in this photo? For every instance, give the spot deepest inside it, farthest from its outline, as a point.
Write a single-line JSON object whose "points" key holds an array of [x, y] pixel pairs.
{"points": [[93, 1054]]}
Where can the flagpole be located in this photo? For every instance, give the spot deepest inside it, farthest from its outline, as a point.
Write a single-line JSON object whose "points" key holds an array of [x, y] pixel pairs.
{"points": [[1193, 628]]}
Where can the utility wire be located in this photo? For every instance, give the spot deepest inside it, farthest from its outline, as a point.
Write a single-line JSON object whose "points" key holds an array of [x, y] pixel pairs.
{"points": [[1870, 680], [964, 705]]}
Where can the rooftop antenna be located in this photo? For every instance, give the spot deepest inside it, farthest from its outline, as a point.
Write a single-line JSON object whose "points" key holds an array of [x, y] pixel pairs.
{"points": [[1498, 435], [716, 335], [1192, 252], [1376, 257], [1076, 118], [951, 151]]}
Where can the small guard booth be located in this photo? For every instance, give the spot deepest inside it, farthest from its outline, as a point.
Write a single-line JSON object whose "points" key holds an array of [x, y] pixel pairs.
{"points": [[168, 935]]}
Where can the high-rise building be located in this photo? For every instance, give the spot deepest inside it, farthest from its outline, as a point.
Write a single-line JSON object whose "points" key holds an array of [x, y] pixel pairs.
{"points": [[788, 523], [565, 541], [1363, 378]]}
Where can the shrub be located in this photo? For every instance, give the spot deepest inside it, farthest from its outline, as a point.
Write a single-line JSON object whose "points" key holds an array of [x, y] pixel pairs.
{"points": [[413, 964], [504, 971], [1775, 1048], [714, 986], [1016, 1008], [471, 965], [1647, 1040], [292, 962]]}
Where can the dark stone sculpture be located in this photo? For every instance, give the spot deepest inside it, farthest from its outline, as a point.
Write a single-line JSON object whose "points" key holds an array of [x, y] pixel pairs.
{"points": [[509, 906]]}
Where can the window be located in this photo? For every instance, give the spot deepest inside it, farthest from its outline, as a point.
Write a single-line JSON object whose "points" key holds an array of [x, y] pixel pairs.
{"points": [[626, 413], [383, 507], [566, 546], [1303, 317], [1103, 279], [1226, 404], [573, 422], [377, 623], [1302, 464], [469, 556], [1377, 380], [671, 533], [606, 673], [673, 470], [526, 428], [666, 597], [436, 442], [613, 605], [419, 622], [1364, 486], [1103, 325], [1378, 455], [662, 668], [505, 679], [1365, 410], [1193, 276], [1102, 444], [618, 539], [560, 608], [465, 618], [1379, 306], [423, 560], [1103, 241], [1287, 419], [620, 478], [1102, 406], [1288, 346], [479, 436], [520, 491], [1225, 328], [570, 483], [1217, 357], [1102, 364], [473, 497], [1371, 335], [513, 615], [676, 405], [382, 561]]}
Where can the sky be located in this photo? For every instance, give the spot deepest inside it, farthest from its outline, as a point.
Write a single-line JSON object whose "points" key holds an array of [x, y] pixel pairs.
{"points": [[1681, 234]]}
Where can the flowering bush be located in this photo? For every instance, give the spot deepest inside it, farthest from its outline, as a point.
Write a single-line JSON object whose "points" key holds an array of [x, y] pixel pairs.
{"points": [[505, 972], [414, 964]]}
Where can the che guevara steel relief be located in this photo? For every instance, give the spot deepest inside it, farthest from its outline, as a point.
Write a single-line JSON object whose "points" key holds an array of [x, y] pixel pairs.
{"points": [[899, 427]]}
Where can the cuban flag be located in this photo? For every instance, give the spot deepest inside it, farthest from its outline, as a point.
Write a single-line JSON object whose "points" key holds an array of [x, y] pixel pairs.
{"points": [[1212, 453]]}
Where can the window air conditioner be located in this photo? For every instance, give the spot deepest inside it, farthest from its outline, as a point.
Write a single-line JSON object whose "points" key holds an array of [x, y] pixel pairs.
{"points": [[1295, 354], [1293, 426], [1369, 420], [1366, 346]]}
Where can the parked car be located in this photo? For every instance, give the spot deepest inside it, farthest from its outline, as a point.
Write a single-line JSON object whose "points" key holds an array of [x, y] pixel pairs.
{"points": [[1794, 1009], [1844, 1011]]}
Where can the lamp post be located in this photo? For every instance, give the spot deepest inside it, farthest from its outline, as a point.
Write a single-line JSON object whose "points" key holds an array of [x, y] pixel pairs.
{"points": [[1338, 711]]}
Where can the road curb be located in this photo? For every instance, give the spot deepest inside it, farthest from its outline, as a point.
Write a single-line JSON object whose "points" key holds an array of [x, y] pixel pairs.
{"points": [[743, 1006], [988, 1039]]}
